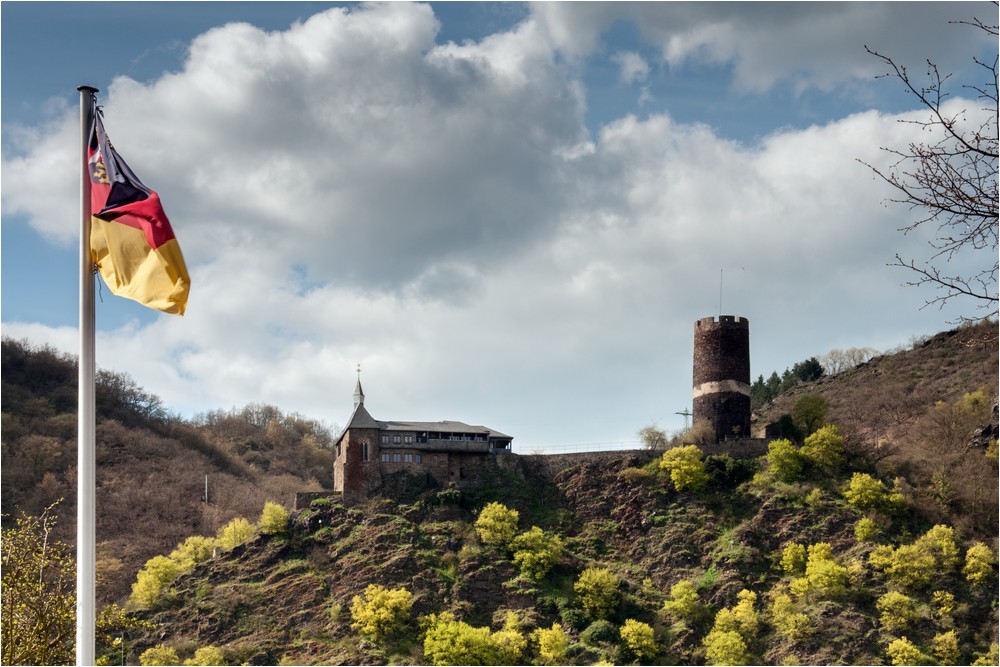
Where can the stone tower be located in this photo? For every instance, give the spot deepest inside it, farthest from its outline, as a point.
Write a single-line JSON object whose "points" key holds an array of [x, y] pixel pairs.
{"points": [[722, 375]]}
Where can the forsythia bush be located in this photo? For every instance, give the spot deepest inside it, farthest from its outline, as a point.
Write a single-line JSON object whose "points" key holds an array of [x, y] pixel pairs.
{"points": [[784, 460], [787, 620], [825, 447], [865, 530], [793, 558], [726, 648], [944, 646], [452, 642], [916, 565], [903, 652]]}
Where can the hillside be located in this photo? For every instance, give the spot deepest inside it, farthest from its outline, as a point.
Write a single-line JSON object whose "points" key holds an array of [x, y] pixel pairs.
{"points": [[151, 466], [869, 574], [769, 562]]}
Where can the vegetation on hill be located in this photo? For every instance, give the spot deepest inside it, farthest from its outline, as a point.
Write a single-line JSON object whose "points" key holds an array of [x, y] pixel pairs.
{"points": [[840, 545], [151, 465]]}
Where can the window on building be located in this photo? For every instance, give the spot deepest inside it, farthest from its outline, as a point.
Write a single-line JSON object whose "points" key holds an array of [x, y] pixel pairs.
{"points": [[385, 439], [407, 458], [395, 439], [420, 458], [364, 451], [385, 457], [408, 439], [395, 457]]}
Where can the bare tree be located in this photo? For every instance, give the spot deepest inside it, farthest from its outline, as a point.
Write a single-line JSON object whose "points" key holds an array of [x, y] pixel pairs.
{"points": [[951, 181]]}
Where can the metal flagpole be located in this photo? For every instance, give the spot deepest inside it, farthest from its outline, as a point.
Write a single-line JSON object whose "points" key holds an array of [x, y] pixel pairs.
{"points": [[86, 504]]}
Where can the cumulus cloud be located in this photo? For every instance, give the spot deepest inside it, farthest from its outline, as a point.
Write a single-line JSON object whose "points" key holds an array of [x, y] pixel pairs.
{"points": [[633, 66], [349, 190], [808, 45]]}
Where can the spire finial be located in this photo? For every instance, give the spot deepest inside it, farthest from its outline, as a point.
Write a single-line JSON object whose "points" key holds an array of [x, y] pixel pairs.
{"points": [[359, 394]]}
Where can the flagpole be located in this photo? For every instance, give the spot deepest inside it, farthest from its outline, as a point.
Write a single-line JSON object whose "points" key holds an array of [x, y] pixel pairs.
{"points": [[86, 504]]}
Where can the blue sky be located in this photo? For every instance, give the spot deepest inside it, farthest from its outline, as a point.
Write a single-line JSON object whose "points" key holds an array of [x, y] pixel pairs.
{"points": [[509, 214]]}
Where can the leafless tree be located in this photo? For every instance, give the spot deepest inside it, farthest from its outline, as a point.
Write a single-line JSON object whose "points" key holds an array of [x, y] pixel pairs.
{"points": [[951, 181]]}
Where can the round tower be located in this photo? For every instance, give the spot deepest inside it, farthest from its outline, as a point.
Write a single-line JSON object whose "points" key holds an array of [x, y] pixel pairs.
{"points": [[722, 375]]}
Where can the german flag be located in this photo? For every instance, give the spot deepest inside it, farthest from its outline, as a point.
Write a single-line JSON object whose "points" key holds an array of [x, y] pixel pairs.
{"points": [[131, 240]]}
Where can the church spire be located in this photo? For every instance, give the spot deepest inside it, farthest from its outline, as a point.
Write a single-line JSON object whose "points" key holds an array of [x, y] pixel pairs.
{"points": [[359, 394]]}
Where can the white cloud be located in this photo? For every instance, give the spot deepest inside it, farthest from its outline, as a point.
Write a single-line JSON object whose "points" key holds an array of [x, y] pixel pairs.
{"points": [[634, 68], [348, 190]]}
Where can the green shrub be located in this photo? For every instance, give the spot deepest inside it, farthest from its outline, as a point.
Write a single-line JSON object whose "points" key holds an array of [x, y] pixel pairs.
{"points": [[208, 655], [273, 519], [793, 558], [787, 620], [597, 589], [784, 460], [944, 605], [903, 652], [638, 638], [823, 575], [159, 655], [726, 648], [452, 642], [686, 468], [865, 530], [865, 492], [741, 618], [236, 532], [599, 632], [916, 565], [497, 525], [979, 563], [381, 612], [896, 611], [536, 552], [991, 657], [510, 643], [683, 603], [158, 573], [824, 448], [193, 550], [552, 644], [944, 646]]}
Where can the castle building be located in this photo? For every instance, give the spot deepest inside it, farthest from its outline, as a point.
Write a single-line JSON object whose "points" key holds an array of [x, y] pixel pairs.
{"points": [[369, 450], [721, 394]]}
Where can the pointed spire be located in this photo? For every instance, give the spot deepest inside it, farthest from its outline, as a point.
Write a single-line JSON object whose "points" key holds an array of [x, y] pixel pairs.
{"points": [[359, 394]]}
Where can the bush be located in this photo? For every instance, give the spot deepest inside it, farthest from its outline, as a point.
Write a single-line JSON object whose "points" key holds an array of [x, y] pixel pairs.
{"points": [[944, 646], [452, 642], [822, 574], [497, 525], [784, 460], [793, 558], [597, 589], [824, 448], [599, 632], [686, 468], [509, 642], [865, 530], [903, 652], [915, 565], [979, 563], [159, 655], [236, 532], [208, 655], [193, 550], [809, 412], [273, 519], [683, 603], [536, 552], [865, 492], [638, 639], [741, 618], [381, 612], [725, 648], [944, 606], [552, 644], [896, 611], [158, 573], [787, 620]]}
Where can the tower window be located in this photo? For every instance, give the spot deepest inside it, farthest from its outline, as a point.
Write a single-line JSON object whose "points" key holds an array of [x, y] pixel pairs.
{"points": [[364, 451]]}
